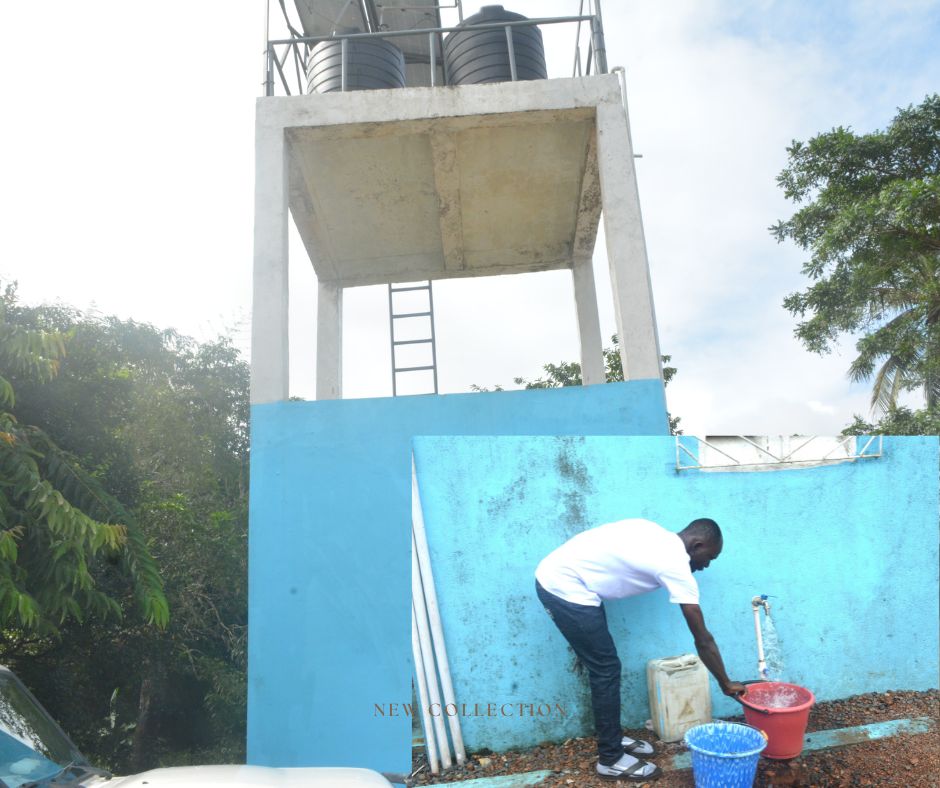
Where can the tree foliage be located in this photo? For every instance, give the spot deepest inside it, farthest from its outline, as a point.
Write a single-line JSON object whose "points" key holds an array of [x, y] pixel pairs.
{"points": [[870, 217], [159, 423], [56, 521], [568, 373], [898, 421]]}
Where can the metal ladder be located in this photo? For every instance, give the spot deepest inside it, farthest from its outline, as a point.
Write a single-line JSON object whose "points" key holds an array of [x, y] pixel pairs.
{"points": [[394, 316]]}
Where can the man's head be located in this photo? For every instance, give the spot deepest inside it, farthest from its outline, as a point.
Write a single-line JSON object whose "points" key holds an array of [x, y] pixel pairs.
{"points": [[703, 542]]}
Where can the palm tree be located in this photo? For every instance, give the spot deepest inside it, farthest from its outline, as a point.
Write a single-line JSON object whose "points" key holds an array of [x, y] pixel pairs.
{"points": [[907, 346]]}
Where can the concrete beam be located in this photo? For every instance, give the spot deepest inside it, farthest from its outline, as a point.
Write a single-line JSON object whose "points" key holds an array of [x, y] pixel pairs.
{"points": [[409, 127], [589, 203], [447, 185], [329, 341], [559, 260], [269, 313], [626, 245], [422, 104]]}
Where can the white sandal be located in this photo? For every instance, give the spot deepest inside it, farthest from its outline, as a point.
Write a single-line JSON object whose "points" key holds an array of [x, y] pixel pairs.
{"points": [[629, 768], [636, 747]]}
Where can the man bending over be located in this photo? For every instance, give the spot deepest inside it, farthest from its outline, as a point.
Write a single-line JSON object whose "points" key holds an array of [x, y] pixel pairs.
{"points": [[614, 561]]}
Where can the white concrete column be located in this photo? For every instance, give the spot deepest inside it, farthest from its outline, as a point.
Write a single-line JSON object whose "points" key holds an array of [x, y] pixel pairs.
{"points": [[589, 324], [329, 341], [626, 245], [269, 310]]}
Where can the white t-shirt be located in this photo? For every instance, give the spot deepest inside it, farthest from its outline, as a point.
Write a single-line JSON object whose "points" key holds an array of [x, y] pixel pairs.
{"points": [[618, 560]]}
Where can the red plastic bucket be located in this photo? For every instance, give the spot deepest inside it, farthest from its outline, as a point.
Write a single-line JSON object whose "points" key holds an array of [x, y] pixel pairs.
{"points": [[781, 711]]}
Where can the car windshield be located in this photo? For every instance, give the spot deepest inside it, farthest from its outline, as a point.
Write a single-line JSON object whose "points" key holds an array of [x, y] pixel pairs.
{"points": [[32, 746]]}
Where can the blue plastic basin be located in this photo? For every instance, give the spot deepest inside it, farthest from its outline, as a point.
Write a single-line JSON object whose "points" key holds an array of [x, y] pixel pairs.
{"points": [[724, 754]]}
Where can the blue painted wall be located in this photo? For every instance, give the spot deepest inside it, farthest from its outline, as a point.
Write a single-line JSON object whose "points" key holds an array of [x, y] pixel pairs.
{"points": [[848, 553], [330, 555]]}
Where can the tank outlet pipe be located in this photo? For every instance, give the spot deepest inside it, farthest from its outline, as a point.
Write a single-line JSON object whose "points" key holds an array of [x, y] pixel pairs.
{"points": [[597, 34], [427, 660], [757, 603], [434, 612], [429, 740]]}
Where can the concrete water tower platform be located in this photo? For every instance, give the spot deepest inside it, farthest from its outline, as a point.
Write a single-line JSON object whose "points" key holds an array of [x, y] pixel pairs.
{"points": [[442, 182], [390, 186]]}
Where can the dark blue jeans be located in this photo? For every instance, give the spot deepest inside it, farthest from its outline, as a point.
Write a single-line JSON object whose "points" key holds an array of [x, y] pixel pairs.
{"points": [[585, 628]]}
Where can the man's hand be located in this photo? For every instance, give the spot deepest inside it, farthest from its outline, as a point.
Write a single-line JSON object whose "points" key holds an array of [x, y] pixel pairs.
{"points": [[733, 688]]}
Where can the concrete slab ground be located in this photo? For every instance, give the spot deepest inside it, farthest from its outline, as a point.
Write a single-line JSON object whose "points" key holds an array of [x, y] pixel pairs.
{"points": [[813, 742], [507, 780]]}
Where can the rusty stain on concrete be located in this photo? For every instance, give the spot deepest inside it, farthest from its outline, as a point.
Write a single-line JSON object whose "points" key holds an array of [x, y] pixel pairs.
{"points": [[574, 476]]}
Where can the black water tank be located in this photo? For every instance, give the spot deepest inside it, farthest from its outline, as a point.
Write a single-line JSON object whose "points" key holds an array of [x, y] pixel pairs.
{"points": [[479, 56], [371, 64]]}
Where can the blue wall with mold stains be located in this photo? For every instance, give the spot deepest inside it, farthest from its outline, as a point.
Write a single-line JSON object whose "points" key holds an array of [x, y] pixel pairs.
{"points": [[330, 555], [848, 553]]}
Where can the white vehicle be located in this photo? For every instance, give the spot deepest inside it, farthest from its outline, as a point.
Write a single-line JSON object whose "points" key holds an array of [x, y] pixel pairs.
{"points": [[35, 752]]}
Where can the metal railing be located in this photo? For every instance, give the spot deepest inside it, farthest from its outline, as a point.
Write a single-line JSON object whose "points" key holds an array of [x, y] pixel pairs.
{"points": [[285, 59], [691, 453]]}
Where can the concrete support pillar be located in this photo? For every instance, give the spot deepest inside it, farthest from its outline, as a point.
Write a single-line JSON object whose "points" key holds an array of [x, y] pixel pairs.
{"points": [[269, 311], [329, 341], [589, 324], [626, 245]]}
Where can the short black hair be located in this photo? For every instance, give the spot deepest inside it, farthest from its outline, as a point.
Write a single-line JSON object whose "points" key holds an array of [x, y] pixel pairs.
{"points": [[706, 529]]}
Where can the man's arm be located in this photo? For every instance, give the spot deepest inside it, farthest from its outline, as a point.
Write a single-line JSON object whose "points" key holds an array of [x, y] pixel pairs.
{"points": [[707, 650]]}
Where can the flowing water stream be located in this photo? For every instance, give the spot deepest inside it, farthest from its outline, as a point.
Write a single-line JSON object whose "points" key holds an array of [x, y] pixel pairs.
{"points": [[772, 654]]}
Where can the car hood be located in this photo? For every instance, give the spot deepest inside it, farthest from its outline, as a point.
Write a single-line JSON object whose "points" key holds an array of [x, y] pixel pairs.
{"points": [[247, 776]]}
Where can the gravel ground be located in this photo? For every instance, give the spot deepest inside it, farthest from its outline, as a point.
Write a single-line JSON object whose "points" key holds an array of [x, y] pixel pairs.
{"points": [[911, 761]]}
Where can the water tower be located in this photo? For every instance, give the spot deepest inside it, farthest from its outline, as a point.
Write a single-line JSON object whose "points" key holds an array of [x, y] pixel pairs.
{"points": [[406, 151]]}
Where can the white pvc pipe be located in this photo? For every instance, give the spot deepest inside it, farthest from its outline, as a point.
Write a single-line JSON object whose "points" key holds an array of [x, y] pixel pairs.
{"points": [[434, 612], [430, 743], [761, 664], [427, 657]]}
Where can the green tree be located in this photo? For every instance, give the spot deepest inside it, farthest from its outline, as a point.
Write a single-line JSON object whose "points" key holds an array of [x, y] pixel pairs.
{"points": [[898, 421], [161, 423], [870, 217], [568, 373], [56, 520]]}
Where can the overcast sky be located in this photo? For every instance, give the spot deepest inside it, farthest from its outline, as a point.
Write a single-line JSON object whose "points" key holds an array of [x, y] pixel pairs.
{"points": [[127, 187]]}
